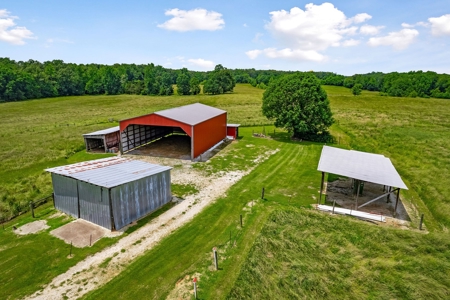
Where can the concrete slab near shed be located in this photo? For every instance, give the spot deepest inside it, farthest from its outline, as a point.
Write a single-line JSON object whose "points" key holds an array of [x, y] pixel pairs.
{"points": [[79, 233]]}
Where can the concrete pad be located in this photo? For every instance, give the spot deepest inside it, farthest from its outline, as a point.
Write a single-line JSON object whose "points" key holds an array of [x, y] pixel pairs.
{"points": [[79, 233], [32, 227]]}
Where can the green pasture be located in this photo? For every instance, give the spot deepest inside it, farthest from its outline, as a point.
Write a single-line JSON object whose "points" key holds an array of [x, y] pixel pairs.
{"points": [[413, 132]]}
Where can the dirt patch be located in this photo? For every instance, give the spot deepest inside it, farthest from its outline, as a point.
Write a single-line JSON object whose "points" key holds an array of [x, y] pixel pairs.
{"points": [[341, 191], [32, 227], [80, 233], [184, 288], [174, 146]]}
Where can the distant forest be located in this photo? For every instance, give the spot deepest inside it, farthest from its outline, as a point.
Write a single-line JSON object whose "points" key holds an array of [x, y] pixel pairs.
{"points": [[32, 79]]}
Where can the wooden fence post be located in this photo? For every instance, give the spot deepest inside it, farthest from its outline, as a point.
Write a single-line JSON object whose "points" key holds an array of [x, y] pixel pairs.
{"points": [[32, 208], [421, 222]]}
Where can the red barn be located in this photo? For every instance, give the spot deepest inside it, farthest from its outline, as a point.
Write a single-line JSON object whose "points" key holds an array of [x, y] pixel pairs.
{"points": [[205, 125]]}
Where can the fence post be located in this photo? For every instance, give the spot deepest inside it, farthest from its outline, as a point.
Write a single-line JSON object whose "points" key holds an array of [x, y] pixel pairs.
{"points": [[216, 263], [241, 221], [334, 203], [421, 222], [32, 208], [262, 193], [195, 287]]}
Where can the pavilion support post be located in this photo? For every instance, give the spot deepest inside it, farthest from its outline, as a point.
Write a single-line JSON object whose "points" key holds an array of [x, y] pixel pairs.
{"points": [[388, 198], [321, 188], [396, 202], [358, 183]]}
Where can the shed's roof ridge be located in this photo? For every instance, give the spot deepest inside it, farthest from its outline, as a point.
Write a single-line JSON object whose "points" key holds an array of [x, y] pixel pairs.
{"points": [[104, 131], [109, 172]]}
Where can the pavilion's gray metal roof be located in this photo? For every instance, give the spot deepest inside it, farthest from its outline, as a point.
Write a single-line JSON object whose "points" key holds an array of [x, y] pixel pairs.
{"points": [[359, 165], [191, 114], [109, 172], [104, 131]]}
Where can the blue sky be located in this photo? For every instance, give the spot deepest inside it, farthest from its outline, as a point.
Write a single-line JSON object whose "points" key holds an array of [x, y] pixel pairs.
{"points": [[346, 37]]}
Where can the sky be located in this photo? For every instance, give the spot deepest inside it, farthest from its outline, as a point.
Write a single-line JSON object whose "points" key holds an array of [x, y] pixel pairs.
{"points": [[345, 37]]}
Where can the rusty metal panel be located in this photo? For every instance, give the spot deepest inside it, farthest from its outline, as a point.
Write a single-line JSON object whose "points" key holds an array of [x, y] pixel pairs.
{"points": [[136, 199], [66, 197], [209, 133], [94, 204]]}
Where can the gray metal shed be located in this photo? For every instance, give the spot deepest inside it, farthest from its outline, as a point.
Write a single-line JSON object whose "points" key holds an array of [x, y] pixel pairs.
{"points": [[108, 139], [111, 192]]}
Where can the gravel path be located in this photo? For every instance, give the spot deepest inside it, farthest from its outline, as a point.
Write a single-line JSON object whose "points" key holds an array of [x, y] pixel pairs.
{"points": [[87, 275]]}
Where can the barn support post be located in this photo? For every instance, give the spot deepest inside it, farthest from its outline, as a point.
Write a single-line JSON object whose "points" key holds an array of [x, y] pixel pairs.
{"points": [[321, 188], [358, 183], [396, 202], [104, 144]]}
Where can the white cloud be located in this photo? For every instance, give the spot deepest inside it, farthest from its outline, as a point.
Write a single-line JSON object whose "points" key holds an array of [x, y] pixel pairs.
{"points": [[350, 43], [303, 34], [360, 18], [288, 53], [370, 30], [440, 25], [11, 33], [202, 63], [252, 54], [245, 25], [399, 40], [195, 19]]}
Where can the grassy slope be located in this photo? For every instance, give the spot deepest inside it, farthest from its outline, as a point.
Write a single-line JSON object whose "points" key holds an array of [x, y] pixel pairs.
{"points": [[414, 133], [304, 254], [290, 172]]}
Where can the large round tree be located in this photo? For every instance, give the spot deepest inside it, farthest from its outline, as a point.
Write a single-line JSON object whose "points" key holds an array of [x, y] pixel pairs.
{"points": [[298, 103]]}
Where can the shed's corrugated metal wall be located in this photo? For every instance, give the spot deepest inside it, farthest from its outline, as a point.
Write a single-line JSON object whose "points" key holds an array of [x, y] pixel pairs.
{"points": [[134, 200], [66, 194], [94, 204]]}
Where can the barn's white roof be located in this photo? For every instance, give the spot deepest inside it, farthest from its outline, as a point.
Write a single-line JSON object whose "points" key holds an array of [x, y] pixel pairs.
{"points": [[191, 114], [109, 172], [103, 132], [359, 165]]}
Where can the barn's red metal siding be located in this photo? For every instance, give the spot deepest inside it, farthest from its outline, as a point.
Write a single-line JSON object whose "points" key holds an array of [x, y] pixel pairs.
{"points": [[155, 120], [209, 133]]}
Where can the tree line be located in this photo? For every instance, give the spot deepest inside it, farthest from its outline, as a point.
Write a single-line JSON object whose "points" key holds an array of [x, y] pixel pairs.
{"points": [[410, 84], [32, 79]]}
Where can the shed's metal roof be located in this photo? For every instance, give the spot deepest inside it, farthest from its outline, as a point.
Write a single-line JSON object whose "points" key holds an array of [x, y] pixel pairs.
{"points": [[104, 131], [191, 114], [359, 165], [109, 172], [233, 125]]}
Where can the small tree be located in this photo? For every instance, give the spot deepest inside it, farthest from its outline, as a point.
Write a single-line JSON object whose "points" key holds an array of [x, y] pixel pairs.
{"points": [[298, 103], [356, 89], [220, 81], [183, 82], [194, 86]]}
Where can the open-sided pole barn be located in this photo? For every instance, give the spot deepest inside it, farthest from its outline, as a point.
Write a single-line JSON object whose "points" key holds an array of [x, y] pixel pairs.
{"points": [[205, 125], [107, 139], [111, 192], [361, 167]]}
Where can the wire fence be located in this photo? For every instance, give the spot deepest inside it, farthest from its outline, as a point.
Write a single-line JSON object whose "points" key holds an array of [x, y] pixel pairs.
{"points": [[26, 208]]}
